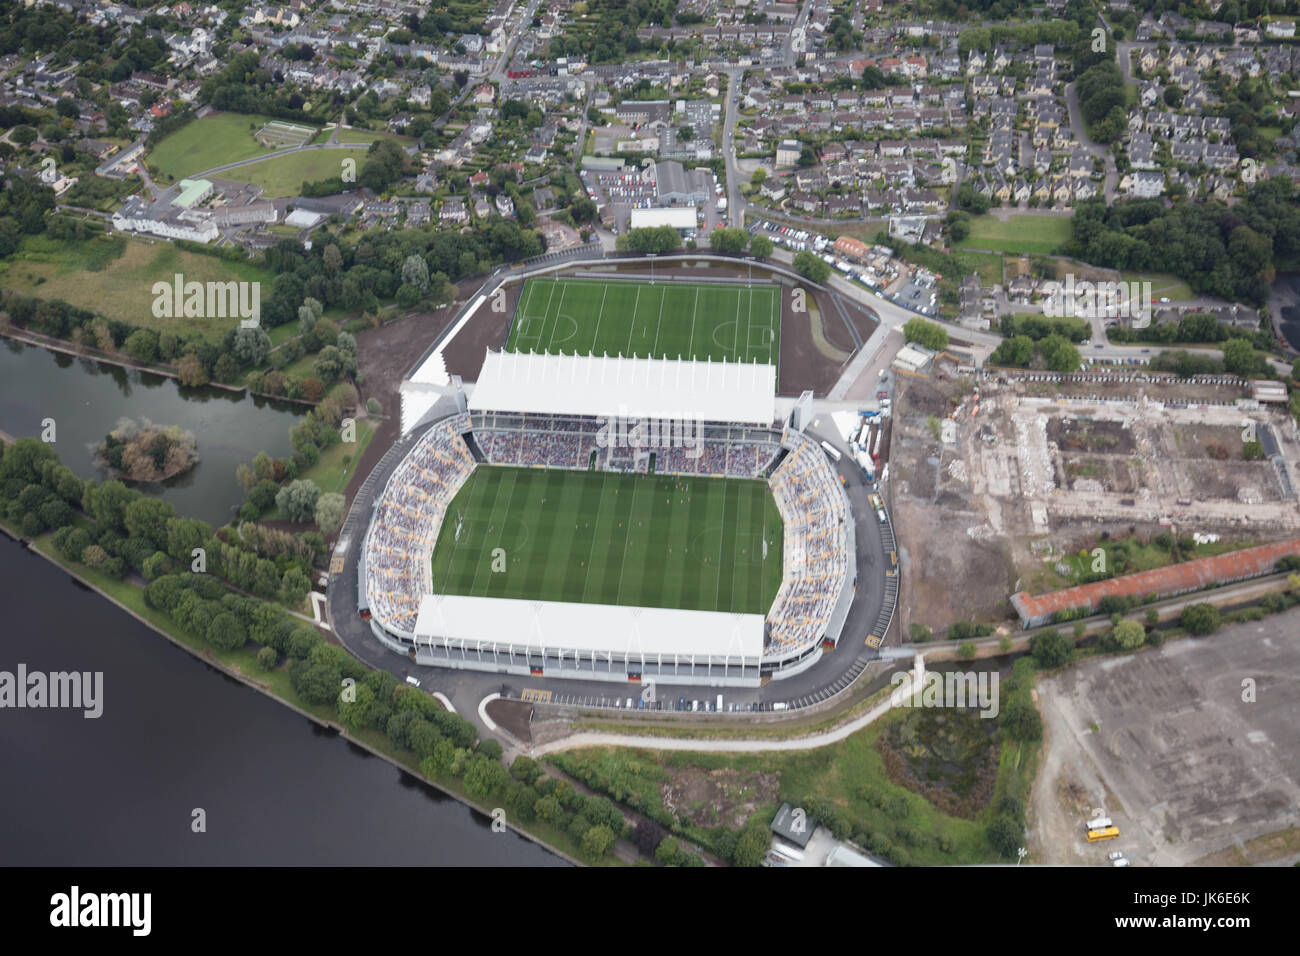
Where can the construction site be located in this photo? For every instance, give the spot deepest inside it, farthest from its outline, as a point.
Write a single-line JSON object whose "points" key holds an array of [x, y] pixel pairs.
{"points": [[1008, 481]]}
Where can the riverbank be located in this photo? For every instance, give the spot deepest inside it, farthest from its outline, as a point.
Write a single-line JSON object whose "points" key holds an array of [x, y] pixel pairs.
{"points": [[63, 347], [39, 548]]}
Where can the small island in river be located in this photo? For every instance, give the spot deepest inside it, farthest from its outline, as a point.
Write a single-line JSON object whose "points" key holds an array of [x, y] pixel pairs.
{"points": [[143, 451]]}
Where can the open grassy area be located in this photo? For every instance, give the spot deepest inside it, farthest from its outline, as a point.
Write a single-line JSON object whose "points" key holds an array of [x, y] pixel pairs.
{"points": [[124, 272], [1162, 284], [284, 175], [1019, 234], [369, 136], [663, 320], [596, 537], [987, 265], [207, 142]]}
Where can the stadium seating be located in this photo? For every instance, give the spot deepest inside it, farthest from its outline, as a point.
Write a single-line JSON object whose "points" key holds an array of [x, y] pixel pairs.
{"points": [[734, 451], [407, 518], [813, 510]]}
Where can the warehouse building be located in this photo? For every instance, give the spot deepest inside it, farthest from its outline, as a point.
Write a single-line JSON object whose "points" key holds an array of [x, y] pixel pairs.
{"points": [[1161, 582]]}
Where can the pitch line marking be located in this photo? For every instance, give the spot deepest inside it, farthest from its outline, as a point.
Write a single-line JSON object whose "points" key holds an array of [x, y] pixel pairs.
{"points": [[632, 331], [618, 595], [600, 509], [690, 348], [595, 337], [558, 310]]}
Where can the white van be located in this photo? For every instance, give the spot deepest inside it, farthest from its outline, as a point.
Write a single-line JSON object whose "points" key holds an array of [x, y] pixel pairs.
{"points": [[413, 682]]}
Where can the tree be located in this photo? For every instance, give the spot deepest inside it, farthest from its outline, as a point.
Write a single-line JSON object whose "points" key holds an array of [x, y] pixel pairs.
{"points": [[267, 658], [415, 272], [298, 500], [1200, 619], [330, 510], [1129, 634], [668, 852], [142, 345], [597, 841], [966, 650], [251, 346], [1004, 834], [929, 334], [309, 313], [147, 518], [728, 241], [317, 683], [812, 266], [1020, 721], [226, 632], [191, 372], [1239, 357], [760, 246]]}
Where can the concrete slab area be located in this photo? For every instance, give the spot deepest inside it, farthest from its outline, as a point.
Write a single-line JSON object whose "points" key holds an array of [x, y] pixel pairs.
{"points": [[1170, 745]]}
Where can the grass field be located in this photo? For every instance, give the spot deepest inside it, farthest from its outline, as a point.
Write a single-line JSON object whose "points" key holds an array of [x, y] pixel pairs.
{"points": [[208, 142], [369, 136], [123, 274], [1162, 284], [711, 544], [1022, 234], [663, 320], [284, 175]]}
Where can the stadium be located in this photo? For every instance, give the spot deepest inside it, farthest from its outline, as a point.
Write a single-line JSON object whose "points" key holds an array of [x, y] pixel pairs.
{"points": [[644, 515]]}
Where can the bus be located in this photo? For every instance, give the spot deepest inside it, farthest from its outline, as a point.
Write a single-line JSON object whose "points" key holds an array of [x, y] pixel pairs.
{"points": [[832, 451], [1105, 833]]}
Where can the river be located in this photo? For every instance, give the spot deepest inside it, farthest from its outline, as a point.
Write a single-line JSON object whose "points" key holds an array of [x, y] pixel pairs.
{"points": [[86, 398], [175, 736]]}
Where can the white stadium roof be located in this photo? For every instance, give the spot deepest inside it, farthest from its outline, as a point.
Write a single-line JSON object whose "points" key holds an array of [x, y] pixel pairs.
{"points": [[590, 628], [626, 387]]}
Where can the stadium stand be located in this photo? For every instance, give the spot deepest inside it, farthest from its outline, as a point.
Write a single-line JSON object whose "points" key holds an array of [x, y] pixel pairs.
{"points": [[819, 557], [817, 553]]}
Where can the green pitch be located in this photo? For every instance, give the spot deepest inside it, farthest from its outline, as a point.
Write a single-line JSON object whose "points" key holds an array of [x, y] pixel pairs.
{"points": [[603, 538], [663, 320]]}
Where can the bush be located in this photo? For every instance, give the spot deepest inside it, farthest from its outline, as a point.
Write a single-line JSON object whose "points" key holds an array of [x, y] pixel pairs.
{"points": [[1200, 619], [267, 658], [966, 650], [919, 632], [1050, 649]]}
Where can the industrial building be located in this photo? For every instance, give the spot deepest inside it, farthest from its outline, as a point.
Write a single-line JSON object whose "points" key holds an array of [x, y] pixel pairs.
{"points": [[1161, 582]]}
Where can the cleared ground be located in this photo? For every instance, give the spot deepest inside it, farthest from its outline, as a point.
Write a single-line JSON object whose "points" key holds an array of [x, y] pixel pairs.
{"points": [[661, 320], [711, 544], [1165, 744]]}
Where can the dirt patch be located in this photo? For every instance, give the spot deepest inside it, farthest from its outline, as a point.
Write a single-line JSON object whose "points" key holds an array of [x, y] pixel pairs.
{"points": [[710, 798], [1085, 435], [514, 716]]}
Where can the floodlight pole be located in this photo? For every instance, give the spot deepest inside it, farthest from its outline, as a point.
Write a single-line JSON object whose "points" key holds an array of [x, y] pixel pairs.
{"points": [[651, 256]]}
